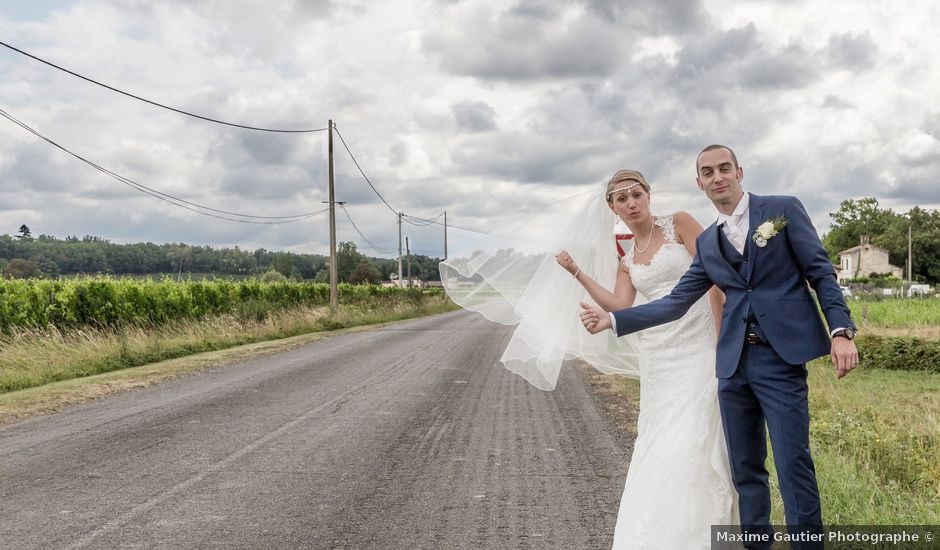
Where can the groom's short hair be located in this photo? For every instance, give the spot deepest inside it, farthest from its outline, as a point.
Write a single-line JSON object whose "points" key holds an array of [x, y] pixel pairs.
{"points": [[716, 146]]}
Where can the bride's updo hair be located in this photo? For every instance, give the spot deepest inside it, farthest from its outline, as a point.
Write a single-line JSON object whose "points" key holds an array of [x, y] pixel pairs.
{"points": [[624, 178]]}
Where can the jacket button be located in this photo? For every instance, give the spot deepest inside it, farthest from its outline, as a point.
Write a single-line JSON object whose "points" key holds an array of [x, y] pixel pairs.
{"points": [[749, 289]]}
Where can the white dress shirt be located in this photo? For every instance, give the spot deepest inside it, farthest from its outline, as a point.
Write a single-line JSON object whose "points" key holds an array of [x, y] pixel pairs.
{"points": [[737, 221]]}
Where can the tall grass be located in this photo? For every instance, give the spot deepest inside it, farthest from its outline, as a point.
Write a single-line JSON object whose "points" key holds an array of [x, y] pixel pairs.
{"points": [[875, 438], [32, 357], [896, 313]]}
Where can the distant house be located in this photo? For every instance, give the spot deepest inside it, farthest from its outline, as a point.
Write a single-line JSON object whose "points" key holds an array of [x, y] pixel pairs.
{"points": [[865, 259]]}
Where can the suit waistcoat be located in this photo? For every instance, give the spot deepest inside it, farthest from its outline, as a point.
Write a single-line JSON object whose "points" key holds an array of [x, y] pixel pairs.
{"points": [[738, 262]]}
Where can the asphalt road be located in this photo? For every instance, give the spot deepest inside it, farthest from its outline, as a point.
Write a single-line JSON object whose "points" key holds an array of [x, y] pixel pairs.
{"points": [[408, 436]]}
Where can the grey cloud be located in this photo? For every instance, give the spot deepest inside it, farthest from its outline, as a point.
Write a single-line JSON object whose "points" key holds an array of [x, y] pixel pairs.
{"points": [[474, 116], [533, 9], [836, 102], [725, 70], [509, 46], [267, 181], [662, 17], [851, 51], [791, 67], [931, 125]]}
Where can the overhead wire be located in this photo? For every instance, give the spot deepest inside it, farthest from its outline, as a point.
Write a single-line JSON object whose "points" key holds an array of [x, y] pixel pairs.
{"points": [[171, 199], [356, 162], [364, 238], [161, 105]]}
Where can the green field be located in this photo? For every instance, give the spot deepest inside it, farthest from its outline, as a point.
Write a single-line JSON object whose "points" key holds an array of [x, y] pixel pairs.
{"points": [[53, 330], [897, 313], [110, 302]]}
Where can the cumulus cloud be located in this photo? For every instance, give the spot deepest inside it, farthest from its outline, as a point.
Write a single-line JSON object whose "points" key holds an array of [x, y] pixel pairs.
{"points": [[522, 43], [851, 51], [474, 116]]}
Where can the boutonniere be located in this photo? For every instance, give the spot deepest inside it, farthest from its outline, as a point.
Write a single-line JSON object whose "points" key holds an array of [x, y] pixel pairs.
{"points": [[768, 230]]}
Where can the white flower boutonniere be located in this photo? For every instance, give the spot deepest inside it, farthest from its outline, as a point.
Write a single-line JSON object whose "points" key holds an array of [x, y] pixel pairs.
{"points": [[768, 230]]}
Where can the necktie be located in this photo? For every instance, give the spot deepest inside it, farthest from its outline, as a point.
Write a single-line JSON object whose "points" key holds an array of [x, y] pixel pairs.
{"points": [[734, 233]]}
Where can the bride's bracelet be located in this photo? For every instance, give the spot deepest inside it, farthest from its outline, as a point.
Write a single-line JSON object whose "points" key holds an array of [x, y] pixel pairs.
{"points": [[576, 273]]}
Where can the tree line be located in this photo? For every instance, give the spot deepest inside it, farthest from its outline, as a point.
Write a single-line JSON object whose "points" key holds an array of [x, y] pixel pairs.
{"points": [[25, 256], [889, 230]]}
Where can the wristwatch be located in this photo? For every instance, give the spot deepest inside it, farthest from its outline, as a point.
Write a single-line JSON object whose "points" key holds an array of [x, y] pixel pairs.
{"points": [[848, 333]]}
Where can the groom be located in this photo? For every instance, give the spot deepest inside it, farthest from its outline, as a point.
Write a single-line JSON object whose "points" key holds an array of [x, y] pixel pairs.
{"points": [[762, 252]]}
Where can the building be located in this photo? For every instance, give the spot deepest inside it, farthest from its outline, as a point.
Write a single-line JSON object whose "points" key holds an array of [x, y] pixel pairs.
{"points": [[865, 259]]}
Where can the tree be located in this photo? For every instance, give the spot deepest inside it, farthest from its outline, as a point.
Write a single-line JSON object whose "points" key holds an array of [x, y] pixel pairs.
{"points": [[889, 230], [273, 276], [365, 272], [347, 258], [25, 233], [854, 219], [18, 268]]}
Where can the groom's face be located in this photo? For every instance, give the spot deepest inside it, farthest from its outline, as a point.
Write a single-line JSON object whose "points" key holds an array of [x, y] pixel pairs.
{"points": [[719, 176]]}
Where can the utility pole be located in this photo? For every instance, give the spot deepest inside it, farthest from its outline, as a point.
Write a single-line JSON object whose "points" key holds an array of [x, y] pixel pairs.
{"points": [[334, 290], [399, 249], [910, 261], [408, 252], [445, 234]]}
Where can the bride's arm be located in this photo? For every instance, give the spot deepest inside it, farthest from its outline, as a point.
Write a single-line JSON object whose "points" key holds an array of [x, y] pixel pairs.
{"points": [[621, 298], [687, 230]]}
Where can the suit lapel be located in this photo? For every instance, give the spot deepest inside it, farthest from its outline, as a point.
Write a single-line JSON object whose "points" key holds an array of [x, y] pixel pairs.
{"points": [[755, 216]]}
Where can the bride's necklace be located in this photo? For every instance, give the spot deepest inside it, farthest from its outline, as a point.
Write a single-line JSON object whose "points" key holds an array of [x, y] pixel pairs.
{"points": [[648, 241]]}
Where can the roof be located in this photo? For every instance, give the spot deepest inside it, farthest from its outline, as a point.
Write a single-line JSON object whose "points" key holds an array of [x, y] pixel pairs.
{"points": [[857, 248]]}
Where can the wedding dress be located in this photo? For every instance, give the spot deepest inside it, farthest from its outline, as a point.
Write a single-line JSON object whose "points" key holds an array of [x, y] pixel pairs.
{"points": [[679, 481]]}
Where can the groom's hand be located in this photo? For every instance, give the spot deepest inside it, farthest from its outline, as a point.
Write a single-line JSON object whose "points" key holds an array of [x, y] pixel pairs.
{"points": [[844, 356], [594, 318]]}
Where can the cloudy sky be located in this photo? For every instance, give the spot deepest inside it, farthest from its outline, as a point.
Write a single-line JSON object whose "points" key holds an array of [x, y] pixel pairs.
{"points": [[490, 110]]}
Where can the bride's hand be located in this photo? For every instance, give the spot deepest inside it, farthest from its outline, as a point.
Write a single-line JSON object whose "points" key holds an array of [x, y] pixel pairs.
{"points": [[565, 261]]}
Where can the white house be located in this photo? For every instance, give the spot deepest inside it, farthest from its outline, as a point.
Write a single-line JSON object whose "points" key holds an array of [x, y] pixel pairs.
{"points": [[865, 259]]}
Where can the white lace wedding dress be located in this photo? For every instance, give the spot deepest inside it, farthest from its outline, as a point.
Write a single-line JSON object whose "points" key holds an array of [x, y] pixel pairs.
{"points": [[679, 481]]}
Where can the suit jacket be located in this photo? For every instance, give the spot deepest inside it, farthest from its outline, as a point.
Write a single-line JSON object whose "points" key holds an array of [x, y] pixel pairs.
{"points": [[773, 287]]}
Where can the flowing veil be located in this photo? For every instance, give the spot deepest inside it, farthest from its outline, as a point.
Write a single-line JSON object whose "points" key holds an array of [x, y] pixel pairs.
{"points": [[539, 297]]}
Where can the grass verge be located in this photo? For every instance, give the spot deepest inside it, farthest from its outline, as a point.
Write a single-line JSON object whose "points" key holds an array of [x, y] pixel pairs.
{"points": [[40, 369], [875, 439]]}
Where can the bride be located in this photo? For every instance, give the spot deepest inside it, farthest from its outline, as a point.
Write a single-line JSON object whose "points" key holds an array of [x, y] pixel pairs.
{"points": [[679, 480]]}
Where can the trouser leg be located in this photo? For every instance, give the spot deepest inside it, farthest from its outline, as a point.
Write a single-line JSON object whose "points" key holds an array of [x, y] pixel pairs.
{"points": [[783, 393], [743, 422]]}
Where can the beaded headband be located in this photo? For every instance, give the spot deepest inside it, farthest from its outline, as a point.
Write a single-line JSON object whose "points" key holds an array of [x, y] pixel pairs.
{"points": [[627, 188]]}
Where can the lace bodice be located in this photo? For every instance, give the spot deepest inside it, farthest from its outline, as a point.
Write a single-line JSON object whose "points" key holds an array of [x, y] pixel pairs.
{"points": [[656, 279], [668, 264]]}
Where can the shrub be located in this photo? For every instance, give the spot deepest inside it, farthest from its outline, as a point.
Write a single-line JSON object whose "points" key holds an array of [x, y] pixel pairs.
{"points": [[899, 353]]}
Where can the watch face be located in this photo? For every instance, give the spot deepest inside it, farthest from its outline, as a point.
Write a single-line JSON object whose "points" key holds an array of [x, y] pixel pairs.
{"points": [[850, 332]]}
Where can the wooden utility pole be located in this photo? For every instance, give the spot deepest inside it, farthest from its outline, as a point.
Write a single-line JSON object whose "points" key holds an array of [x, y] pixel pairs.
{"points": [[334, 290], [445, 234], [399, 249], [910, 262], [408, 252]]}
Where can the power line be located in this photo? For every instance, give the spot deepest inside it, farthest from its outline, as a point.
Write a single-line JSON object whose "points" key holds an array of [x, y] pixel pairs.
{"points": [[176, 201], [422, 220], [370, 243], [161, 105], [356, 162]]}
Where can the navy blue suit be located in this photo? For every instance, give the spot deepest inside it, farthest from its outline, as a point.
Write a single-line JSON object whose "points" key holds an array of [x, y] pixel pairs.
{"points": [[765, 293]]}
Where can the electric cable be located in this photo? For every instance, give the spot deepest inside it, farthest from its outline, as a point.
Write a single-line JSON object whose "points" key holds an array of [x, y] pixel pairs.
{"points": [[161, 105], [356, 162], [176, 201]]}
